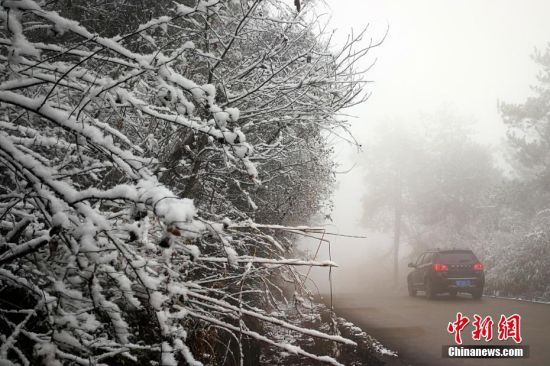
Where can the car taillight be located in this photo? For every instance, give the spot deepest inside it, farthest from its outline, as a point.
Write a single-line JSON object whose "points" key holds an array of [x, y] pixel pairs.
{"points": [[478, 266], [440, 267]]}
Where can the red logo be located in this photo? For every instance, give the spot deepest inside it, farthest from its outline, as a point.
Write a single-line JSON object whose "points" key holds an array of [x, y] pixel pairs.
{"points": [[508, 327], [457, 326], [483, 328]]}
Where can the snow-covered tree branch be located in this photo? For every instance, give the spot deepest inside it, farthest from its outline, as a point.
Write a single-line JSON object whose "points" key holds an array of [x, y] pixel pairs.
{"points": [[133, 168]]}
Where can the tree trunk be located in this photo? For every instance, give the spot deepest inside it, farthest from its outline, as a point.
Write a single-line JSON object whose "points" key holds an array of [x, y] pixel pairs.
{"points": [[396, 238]]}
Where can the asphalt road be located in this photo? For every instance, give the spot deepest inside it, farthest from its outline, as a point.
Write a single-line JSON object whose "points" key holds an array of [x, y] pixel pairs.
{"points": [[417, 328]]}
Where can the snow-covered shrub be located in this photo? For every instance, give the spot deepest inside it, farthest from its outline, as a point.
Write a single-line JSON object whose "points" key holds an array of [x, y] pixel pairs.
{"points": [[517, 262], [128, 172]]}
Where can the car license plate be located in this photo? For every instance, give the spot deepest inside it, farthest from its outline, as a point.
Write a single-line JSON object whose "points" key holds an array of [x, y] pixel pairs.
{"points": [[463, 283]]}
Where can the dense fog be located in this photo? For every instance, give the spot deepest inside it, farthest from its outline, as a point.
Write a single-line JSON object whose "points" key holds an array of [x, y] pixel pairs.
{"points": [[457, 111]]}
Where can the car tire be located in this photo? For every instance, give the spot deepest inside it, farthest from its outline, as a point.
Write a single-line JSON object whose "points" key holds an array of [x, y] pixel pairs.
{"points": [[430, 294], [476, 295], [452, 293], [412, 290]]}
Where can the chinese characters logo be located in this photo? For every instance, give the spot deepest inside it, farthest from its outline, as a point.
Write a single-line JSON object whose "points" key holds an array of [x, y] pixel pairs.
{"points": [[508, 327]]}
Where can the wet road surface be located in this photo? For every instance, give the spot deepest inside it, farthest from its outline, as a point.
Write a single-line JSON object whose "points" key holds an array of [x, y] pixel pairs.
{"points": [[416, 327]]}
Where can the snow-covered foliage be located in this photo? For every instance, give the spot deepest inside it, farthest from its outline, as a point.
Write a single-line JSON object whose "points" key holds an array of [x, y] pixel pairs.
{"points": [[132, 167], [368, 351], [518, 261], [518, 265]]}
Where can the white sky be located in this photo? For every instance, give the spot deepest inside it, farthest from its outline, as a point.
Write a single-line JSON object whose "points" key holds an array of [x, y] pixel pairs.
{"points": [[466, 54]]}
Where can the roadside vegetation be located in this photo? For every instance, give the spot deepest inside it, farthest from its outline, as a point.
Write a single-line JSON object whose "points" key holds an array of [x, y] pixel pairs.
{"points": [[158, 160]]}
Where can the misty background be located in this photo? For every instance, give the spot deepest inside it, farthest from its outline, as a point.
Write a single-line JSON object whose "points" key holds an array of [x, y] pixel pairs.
{"points": [[439, 58]]}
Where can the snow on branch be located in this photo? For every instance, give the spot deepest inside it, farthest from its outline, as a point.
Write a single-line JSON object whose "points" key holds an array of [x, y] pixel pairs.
{"points": [[125, 159], [286, 262]]}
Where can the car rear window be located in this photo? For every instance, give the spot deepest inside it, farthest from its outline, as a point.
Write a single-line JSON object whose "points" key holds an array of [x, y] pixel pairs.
{"points": [[456, 257]]}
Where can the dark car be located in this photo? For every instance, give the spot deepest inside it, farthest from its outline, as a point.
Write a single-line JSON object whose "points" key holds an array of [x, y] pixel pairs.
{"points": [[447, 271]]}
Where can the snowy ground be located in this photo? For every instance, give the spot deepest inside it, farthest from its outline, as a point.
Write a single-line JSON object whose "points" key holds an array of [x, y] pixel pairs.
{"points": [[368, 351]]}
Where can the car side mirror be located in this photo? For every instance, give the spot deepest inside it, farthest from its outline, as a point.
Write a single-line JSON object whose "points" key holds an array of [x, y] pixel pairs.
{"points": [[412, 265]]}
